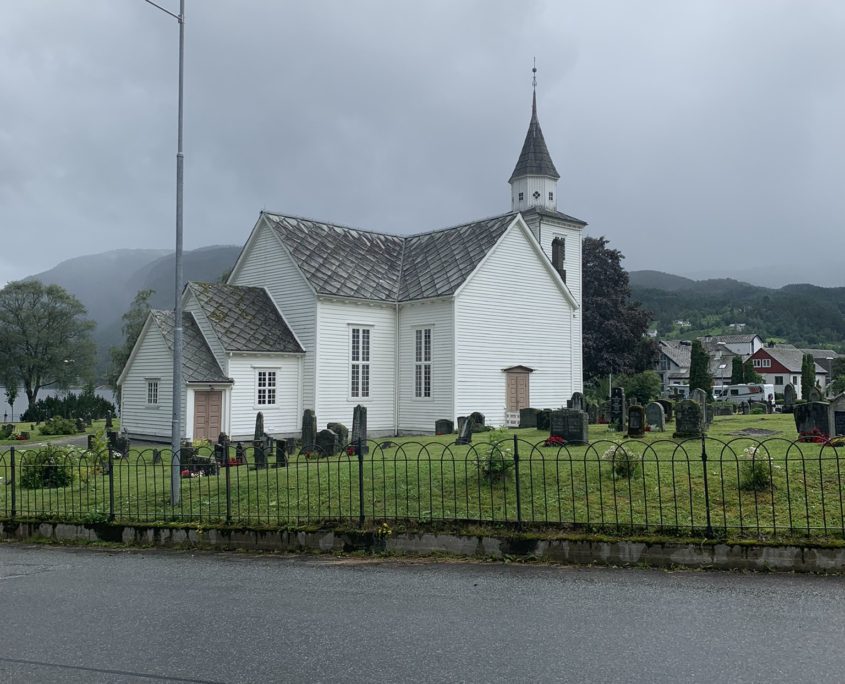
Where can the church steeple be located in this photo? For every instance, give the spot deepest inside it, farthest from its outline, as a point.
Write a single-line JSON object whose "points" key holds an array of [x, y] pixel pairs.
{"points": [[534, 178]]}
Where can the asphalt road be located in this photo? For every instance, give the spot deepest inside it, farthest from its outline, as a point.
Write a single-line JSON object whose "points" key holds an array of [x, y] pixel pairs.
{"points": [[82, 615]]}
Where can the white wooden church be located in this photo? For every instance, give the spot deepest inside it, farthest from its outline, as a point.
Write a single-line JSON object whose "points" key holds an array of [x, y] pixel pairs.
{"points": [[484, 316]]}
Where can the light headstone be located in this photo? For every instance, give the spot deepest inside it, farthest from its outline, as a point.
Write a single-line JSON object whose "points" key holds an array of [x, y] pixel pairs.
{"points": [[836, 415], [577, 402], [789, 397], [655, 416]]}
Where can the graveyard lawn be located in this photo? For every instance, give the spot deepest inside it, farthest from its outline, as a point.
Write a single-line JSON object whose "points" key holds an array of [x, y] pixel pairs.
{"points": [[430, 479], [35, 436]]}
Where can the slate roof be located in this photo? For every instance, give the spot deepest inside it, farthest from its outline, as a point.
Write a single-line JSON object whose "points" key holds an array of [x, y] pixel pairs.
{"points": [[198, 363], [534, 160], [677, 352], [732, 339], [350, 262], [553, 213], [244, 318], [790, 358]]}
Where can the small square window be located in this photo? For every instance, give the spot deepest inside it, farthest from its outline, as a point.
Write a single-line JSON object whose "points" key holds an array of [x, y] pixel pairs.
{"points": [[551, 197], [521, 196]]}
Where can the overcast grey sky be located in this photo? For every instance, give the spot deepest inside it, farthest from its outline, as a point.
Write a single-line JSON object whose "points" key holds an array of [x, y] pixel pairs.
{"points": [[699, 137]]}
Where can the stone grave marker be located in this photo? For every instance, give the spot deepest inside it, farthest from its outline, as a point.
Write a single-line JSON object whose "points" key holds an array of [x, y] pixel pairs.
{"points": [[593, 413], [836, 419], [464, 430], [604, 412], [668, 409], [789, 397], [109, 424], [577, 402], [528, 417], [477, 421], [309, 430], [570, 424], [544, 419], [618, 409], [699, 396], [636, 421], [655, 417], [281, 453], [341, 431], [745, 408], [359, 427], [444, 426], [812, 418], [327, 442], [687, 420], [815, 394]]}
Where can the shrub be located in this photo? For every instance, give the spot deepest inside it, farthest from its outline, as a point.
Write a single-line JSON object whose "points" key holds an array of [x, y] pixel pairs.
{"points": [[59, 426], [624, 463], [494, 460], [6, 431], [52, 466], [755, 473]]}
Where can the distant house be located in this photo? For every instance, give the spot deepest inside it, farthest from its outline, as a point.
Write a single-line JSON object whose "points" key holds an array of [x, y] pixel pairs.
{"points": [[780, 365], [738, 345], [673, 363], [824, 358], [484, 316]]}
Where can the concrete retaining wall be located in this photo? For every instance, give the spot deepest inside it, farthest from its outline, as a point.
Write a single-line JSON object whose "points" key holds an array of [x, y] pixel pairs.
{"points": [[658, 553]]}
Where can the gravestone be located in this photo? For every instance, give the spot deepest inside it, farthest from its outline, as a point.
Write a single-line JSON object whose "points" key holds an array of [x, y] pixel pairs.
{"points": [[815, 394], [636, 421], [240, 454], [156, 456], [577, 402], [464, 430], [789, 397], [745, 408], [281, 453], [655, 417], [359, 427], [687, 420], [699, 396], [309, 430], [477, 421], [259, 453], [327, 442], [836, 419], [618, 409], [544, 419], [259, 427], [444, 426], [109, 425], [812, 418], [528, 417], [668, 409], [341, 431], [570, 424], [604, 412], [593, 413]]}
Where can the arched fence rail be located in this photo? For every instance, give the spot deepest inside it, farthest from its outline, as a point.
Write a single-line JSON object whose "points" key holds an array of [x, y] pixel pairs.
{"points": [[707, 487]]}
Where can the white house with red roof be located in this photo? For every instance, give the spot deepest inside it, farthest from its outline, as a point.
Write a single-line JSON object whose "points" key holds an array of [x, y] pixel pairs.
{"points": [[780, 365]]}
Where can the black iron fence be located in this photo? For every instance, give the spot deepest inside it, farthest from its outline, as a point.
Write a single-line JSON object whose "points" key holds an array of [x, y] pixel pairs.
{"points": [[701, 487]]}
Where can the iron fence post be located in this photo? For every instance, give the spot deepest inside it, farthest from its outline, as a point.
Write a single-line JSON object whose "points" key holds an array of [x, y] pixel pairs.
{"points": [[12, 482], [708, 531], [359, 452], [111, 485], [516, 476], [228, 469]]}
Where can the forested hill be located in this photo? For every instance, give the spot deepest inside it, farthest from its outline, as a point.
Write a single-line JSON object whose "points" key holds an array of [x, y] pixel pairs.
{"points": [[804, 315]]}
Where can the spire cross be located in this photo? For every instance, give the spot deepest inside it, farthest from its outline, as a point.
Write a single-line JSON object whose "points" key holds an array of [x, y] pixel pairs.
{"points": [[534, 71]]}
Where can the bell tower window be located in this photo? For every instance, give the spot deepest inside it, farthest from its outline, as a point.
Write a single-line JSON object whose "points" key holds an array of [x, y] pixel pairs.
{"points": [[521, 196], [559, 256]]}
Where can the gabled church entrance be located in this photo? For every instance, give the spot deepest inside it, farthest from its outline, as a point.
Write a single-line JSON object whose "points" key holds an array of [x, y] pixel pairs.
{"points": [[517, 394], [208, 414]]}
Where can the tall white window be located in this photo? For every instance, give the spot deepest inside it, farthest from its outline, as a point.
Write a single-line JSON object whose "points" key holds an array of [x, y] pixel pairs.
{"points": [[422, 363], [152, 392], [359, 362], [265, 385]]}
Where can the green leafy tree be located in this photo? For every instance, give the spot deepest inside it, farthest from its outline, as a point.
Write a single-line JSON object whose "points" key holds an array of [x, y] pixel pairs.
{"points": [[749, 374], [737, 371], [133, 323], [45, 339], [808, 376], [837, 374], [699, 375], [644, 387], [613, 325]]}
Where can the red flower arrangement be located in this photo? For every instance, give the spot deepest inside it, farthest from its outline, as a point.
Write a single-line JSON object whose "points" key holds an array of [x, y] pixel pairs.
{"points": [[185, 473], [554, 440], [814, 436]]}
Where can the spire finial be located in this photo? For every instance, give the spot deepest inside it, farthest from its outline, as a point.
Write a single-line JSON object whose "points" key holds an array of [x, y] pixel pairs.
{"points": [[534, 96], [534, 71]]}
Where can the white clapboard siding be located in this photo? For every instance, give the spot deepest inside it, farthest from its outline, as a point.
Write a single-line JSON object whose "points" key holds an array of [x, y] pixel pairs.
{"points": [[510, 313], [153, 359], [281, 419], [191, 304], [572, 262], [334, 403], [417, 415], [266, 264]]}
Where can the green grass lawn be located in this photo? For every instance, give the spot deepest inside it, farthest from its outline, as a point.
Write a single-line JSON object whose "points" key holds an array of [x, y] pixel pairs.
{"points": [[35, 436], [429, 479]]}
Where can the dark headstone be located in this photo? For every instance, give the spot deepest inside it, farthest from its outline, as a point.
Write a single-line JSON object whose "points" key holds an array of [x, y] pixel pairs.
{"points": [[477, 420], [444, 426], [636, 421], [668, 409], [259, 427], [80, 425], [341, 431], [464, 430], [789, 397], [604, 412], [528, 417], [327, 443], [577, 402], [259, 453], [687, 420], [240, 454], [359, 427], [544, 419], [812, 418], [156, 456], [593, 412], [654, 416], [745, 408], [618, 409], [309, 431], [815, 394], [281, 453], [571, 425], [109, 424]]}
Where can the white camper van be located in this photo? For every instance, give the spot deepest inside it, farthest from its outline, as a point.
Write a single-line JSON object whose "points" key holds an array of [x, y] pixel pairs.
{"points": [[752, 392]]}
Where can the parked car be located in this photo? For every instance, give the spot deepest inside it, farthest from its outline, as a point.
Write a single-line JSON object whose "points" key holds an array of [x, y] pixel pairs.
{"points": [[751, 392]]}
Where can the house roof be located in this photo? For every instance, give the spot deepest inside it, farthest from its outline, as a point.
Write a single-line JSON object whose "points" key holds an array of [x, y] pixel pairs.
{"points": [[350, 262], [822, 353], [790, 358], [678, 352], [534, 160], [198, 363], [731, 339], [245, 319], [553, 213]]}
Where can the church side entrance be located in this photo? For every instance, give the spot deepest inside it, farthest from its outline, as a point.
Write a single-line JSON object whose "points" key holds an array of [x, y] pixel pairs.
{"points": [[208, 414], [517, 395]]}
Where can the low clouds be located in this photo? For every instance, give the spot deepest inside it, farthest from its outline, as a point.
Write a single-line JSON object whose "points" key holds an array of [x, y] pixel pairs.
{"points": [[700, 137]]}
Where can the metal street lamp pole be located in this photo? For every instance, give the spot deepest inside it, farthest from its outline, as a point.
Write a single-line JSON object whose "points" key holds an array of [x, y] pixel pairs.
{"points": [[176, 422]]}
